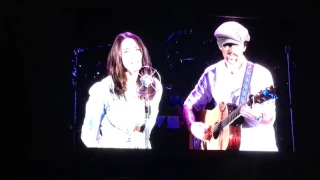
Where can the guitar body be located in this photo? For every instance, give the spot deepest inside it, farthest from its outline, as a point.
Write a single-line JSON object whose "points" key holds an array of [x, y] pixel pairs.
{"points": [[225, 121], [228, 138]]}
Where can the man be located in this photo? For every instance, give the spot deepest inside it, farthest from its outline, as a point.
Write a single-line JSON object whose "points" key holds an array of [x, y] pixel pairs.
{"points": [[222, 82]]}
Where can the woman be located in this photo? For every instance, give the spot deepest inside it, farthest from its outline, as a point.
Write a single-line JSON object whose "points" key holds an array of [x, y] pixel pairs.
{"points": [[115, 111]]}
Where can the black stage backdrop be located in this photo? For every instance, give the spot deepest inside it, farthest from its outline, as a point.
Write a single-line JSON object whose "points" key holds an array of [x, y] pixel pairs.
{"points": [[56, 34]]}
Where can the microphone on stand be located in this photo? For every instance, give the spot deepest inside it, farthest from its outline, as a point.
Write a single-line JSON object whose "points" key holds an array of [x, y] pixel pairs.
{"points": [[148, 89], [147, 75]]}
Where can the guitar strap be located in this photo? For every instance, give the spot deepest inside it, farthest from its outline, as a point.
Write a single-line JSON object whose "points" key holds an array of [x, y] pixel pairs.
{"points": [[246, 83]]}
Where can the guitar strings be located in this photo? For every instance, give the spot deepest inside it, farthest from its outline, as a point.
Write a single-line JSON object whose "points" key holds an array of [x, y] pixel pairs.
{"points": [[232, 114]]}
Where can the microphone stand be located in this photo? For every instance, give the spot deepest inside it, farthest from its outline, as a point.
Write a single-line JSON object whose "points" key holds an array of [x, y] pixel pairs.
{"points": [[146, 82], [287, 51], [147, 117]]}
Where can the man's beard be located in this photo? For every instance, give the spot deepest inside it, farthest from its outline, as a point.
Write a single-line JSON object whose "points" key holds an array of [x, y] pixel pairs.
{"points": [[234, 64]]}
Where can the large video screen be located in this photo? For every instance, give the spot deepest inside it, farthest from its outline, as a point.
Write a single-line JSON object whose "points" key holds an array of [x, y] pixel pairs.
{"points": [[220, 85]]}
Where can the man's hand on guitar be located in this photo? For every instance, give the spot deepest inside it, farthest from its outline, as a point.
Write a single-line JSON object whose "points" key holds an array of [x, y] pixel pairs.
{"points": [[201, 131], [253, 113]]}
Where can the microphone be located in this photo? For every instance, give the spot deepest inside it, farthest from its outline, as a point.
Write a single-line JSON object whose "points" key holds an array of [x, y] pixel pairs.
{"points": [[147, 79]]}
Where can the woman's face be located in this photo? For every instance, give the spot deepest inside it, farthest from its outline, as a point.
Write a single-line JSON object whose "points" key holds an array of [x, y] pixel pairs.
{"points": [[131, 55]]}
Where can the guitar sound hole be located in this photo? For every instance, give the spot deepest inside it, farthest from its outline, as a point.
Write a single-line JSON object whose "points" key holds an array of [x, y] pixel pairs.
{"points": [[215, 135]]}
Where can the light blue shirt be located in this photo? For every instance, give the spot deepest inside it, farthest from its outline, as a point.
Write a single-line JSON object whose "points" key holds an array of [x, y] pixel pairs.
{"points": [[117, 117]]}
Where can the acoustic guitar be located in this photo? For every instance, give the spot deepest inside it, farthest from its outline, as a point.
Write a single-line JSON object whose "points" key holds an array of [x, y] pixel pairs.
{"points": [[225, 122]]}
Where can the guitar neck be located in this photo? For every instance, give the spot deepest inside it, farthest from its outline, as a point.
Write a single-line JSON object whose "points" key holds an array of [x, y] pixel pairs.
{"points": [[235, 114], [232, 116]]}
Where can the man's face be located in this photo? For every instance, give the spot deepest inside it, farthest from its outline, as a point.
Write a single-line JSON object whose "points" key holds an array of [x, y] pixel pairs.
{"points": [[232, 52]]}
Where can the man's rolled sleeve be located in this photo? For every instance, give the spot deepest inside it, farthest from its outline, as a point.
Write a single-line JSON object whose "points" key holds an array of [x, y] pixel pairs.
{"points": [[200, 95]]}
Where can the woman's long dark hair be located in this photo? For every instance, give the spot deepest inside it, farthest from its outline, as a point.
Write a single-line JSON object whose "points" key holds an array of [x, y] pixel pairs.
{"points": [[116, 69]]}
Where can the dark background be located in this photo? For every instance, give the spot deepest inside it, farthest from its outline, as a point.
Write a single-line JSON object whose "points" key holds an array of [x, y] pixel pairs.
{"points": [[45, 39]]}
